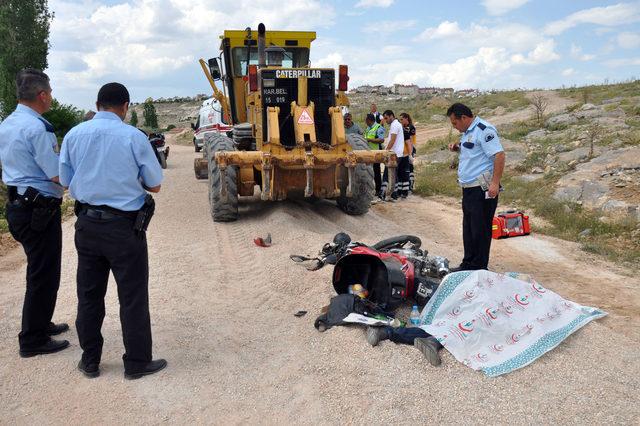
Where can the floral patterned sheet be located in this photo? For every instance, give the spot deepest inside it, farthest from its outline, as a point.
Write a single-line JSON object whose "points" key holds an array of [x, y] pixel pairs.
{"points": [[498, 323]]}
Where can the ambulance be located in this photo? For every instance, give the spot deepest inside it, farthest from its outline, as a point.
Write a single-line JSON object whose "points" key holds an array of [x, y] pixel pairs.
{"points": [[209, 120]]}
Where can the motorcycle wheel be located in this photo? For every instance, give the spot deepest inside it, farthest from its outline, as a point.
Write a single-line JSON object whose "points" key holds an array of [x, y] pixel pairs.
{"points": [[397, 242], [163, 160]]}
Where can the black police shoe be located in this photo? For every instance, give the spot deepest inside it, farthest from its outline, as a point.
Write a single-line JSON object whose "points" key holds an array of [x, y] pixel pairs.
{"points": [[91, 370], [48, 348], [151, 367], [55, 329]]}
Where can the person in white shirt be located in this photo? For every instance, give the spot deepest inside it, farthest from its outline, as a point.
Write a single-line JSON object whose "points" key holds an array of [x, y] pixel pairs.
{"points": [[395, 143]]}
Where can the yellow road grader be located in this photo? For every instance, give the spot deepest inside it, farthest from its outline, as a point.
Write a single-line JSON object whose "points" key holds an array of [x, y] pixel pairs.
{"points": [[288, 134]]}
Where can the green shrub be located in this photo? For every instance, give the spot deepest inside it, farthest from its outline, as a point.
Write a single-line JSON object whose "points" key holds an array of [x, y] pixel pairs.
{"points": [[517, 130], [63, 117], [170, 127], [134, 118], [150, 115]]}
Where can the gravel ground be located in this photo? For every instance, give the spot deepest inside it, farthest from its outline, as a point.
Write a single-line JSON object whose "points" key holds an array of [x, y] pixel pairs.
{"points": [[222, 314]]}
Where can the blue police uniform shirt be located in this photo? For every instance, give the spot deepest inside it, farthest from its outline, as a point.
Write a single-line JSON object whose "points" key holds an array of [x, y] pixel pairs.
{"points": [[28, 152], [478, 146], [105, 161]]}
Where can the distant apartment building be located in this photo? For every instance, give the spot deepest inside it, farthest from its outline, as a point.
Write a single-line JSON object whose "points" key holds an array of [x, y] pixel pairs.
{"points": [[403, 90], [472, 93], [436, 91], [406, 89], [368, 89]]}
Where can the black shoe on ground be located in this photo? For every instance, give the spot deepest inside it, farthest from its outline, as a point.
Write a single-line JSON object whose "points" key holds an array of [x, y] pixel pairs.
{"points": [[429, 348], [48, 348], [89, 370], [152, 367], [376, 334], [55, 329], [458, 268]]}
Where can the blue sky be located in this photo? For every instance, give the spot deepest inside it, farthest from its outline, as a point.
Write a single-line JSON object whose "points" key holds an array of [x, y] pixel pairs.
{"points": [[152, 46]]}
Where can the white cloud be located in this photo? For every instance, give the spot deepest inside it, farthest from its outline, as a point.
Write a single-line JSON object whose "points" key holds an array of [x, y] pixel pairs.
{"points": [[388, 27], [374, 3], [629, 40], [330, 61], [472, 71], [500, 7], [608, 16], [514, 37], [543, 53], [576, 53], [445, 30], [153, 45], [568, 72]]}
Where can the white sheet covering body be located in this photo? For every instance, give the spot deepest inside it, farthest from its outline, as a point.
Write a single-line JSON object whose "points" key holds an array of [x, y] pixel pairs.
{"points": [[498, 323]]}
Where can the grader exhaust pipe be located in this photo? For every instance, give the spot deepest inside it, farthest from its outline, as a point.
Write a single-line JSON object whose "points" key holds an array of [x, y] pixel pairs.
{"points": [[262, 56]]}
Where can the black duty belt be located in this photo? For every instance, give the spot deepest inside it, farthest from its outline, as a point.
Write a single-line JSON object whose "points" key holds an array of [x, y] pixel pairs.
{"points": [[105, 212], [31, 198]]}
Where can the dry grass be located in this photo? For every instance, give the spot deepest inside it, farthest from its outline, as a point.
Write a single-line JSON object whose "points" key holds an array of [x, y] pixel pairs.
{"points": [[614, 240]]}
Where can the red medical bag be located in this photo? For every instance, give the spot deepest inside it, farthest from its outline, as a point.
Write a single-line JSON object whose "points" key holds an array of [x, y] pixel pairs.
{"points": [[511, 223]]}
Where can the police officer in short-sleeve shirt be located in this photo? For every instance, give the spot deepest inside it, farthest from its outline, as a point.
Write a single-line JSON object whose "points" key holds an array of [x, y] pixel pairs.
{"points": [[109, 166], [480, 169], [28, 153]]}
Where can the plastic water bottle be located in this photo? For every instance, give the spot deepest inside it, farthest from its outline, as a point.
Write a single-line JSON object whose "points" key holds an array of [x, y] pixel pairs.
{"points": [[414, 318]]}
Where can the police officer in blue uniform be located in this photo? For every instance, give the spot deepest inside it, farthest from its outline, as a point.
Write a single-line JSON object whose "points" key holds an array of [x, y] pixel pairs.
{"points": [[480, 169], [109, 167], [28, 153]]}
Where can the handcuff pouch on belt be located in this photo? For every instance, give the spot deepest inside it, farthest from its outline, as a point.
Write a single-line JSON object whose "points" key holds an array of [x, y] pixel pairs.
{"points": [[144, 215], [44, 208]]}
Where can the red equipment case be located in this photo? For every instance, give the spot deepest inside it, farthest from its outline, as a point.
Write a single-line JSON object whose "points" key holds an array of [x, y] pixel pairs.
{"points": [[510, 224]]}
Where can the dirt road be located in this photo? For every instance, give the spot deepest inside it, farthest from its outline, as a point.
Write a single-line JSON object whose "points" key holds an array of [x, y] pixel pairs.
{"points": [[222, 314]]}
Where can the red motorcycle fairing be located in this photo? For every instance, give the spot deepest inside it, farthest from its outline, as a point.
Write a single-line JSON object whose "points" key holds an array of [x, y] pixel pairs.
{"points": [[388, 277]]}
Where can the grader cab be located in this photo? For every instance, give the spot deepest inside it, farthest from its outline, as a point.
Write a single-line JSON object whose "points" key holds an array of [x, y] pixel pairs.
{"points": [[288, 135]]}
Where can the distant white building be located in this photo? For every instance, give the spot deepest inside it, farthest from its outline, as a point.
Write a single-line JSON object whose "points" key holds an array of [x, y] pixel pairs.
{"points": [[472, 93], [406, 89]]}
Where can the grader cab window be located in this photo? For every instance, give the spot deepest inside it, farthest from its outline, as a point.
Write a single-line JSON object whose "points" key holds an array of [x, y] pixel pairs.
{"points": [[294, 57]]}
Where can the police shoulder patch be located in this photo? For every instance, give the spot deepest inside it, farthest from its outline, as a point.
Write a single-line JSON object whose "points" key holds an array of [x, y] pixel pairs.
{"points": [[482, 126], [489, 137]]}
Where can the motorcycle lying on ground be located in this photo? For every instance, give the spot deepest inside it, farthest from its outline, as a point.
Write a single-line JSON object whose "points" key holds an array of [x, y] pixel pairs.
{"points": [[160, 148], [391, 271]]}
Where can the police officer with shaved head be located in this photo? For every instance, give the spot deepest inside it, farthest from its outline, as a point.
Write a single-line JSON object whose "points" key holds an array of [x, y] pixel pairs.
{"points": [[28, 153], [479, 172], [110, 168]]}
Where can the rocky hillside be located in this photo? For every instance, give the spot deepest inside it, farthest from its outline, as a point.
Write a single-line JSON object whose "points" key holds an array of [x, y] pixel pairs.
{"points": [[178, 114]]}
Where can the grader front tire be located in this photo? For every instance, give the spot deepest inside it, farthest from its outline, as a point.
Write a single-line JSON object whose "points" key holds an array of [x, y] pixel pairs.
{"points": [[223, 209], [363, 185]]}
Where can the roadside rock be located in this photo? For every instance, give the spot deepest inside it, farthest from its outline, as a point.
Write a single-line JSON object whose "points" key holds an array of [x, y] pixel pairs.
{"points": [[585, 233], [529, 177], [594, 183], [537, 134], [579, 154], [615, 100], [515, 152], [562, 119]]}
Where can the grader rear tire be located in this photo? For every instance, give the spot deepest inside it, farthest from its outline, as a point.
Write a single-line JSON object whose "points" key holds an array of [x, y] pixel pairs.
{"points": [[221, 210], [363, 185]]}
